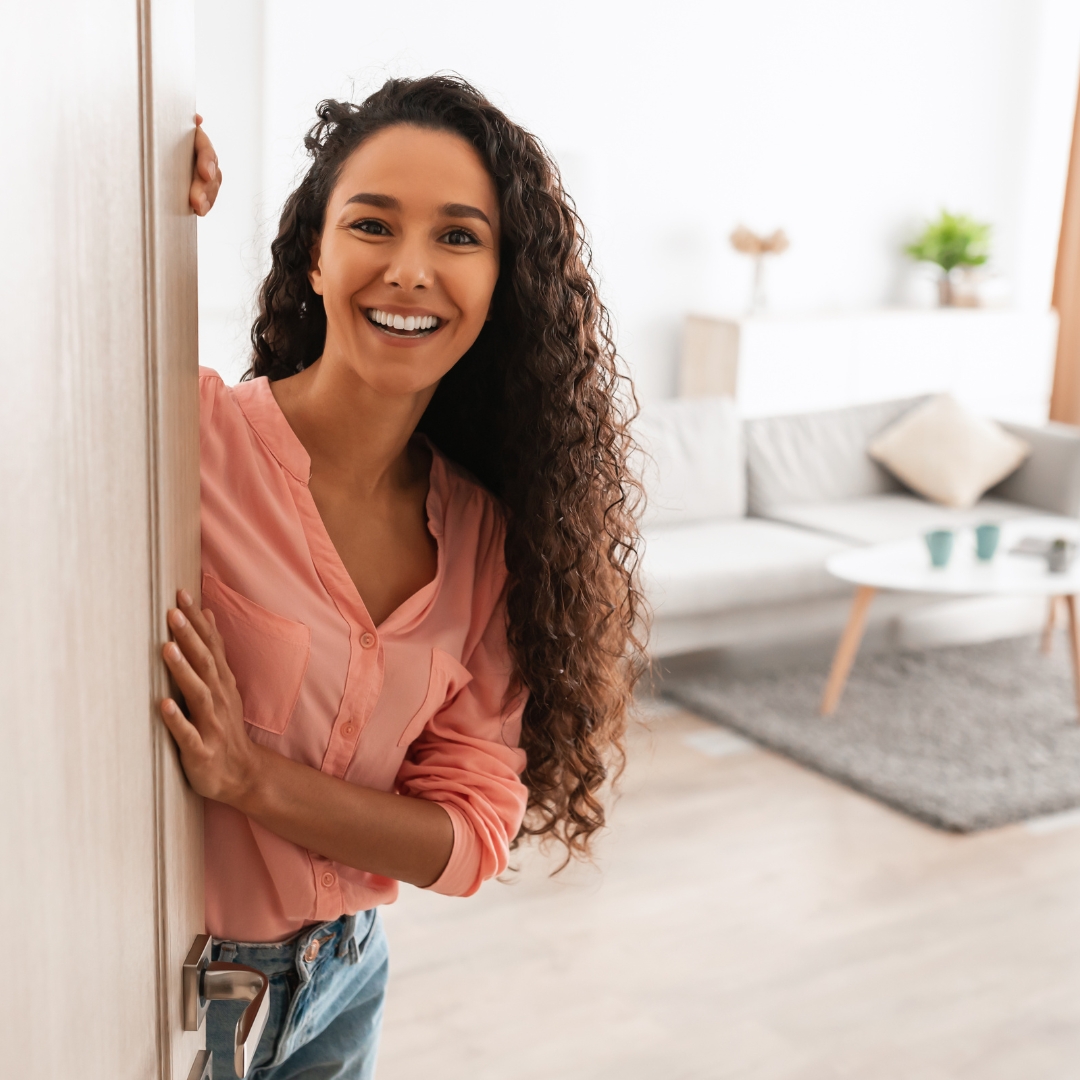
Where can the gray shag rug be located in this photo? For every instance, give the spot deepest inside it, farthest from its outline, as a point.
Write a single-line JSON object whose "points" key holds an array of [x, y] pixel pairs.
{"points": [[964, 738]]}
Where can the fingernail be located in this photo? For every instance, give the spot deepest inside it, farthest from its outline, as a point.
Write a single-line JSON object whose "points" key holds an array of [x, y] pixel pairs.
{"points": [[212, 169], [204, 204], [185, 598], [177, 619], [169, 706], [173, 650]]}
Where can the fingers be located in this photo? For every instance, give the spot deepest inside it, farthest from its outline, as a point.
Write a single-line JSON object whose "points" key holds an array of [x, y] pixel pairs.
{"points": [[216, 644], [182, 730], [197, 693], [186, 603], [206, 177], [203, 193], [195, 650], [199, 202], [205, 158], [192, 666], [206, 627]]}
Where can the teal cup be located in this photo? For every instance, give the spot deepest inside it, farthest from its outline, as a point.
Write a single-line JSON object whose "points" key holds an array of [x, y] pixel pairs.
{"points": [[986, 541], [940, 543]]}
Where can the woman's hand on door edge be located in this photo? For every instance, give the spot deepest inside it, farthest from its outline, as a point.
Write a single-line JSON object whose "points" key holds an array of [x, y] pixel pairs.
{"points": [[380, 832], [205, 172], [215, 751]]}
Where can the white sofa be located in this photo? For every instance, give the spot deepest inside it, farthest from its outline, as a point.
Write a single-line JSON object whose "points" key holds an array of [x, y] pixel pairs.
{"points": [[742, 515]]}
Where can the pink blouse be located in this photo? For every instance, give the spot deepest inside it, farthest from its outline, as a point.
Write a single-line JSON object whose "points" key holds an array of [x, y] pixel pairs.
{"points": [[416, 705]]}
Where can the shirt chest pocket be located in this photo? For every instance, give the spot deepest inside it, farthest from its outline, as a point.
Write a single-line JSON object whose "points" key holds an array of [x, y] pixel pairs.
{"points": [[448, 677], [267, 653]]}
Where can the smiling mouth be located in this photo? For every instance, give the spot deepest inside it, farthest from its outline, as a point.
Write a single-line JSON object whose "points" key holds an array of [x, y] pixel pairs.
{"points": [[403, 326]]}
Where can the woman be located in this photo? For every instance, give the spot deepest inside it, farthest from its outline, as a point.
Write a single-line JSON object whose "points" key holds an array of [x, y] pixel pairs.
{"points": [[418, 635]]}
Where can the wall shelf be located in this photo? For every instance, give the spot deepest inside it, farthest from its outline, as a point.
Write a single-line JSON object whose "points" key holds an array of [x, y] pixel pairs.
{"points": [[995, 362]]}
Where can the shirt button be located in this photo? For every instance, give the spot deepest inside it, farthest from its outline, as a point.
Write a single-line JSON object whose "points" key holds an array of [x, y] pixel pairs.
{"points": [[367, 640], [328, 879], [348, 730]]}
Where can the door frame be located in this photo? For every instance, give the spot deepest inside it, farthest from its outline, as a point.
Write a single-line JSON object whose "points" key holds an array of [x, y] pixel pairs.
{"points": [[167, 92]]}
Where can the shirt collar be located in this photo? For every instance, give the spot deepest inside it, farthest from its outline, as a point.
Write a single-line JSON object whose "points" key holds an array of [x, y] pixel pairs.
{"points": [[438, 483], [263, 413]]}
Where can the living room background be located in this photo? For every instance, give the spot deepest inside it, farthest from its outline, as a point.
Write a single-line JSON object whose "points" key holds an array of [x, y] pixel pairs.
{"points": [[844, 123]]}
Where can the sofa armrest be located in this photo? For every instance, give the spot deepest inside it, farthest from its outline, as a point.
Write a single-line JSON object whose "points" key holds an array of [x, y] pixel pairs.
{"points": [[1050, 477]]}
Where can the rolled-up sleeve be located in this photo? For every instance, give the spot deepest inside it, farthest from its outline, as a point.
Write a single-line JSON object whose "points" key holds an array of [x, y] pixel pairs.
{"points": [[468, 760]]}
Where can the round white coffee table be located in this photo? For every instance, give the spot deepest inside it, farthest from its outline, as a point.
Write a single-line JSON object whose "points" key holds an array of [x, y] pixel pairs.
{"points": [[905, 565]]}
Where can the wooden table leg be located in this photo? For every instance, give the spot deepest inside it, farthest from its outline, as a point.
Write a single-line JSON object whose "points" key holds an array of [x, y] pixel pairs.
{"points": [[1074, 647], [1051, 624], [846, 650]]}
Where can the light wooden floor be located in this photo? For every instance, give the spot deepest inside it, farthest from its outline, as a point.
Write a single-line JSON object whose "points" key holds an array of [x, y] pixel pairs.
{"points": [[749, 919]]}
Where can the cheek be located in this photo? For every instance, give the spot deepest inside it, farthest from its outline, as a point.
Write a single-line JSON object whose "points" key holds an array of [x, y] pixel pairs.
{"points": [[475, 294], [345, 268]]}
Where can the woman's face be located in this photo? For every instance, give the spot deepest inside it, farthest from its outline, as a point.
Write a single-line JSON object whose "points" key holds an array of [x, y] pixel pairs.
{"points": [[408, 257]]}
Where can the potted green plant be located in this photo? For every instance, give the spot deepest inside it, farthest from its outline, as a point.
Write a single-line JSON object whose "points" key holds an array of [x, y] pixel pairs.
{"points": [[951, 241]]}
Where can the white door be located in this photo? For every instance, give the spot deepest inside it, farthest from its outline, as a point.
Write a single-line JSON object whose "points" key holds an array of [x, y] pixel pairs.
{"points": [[100, 841]]}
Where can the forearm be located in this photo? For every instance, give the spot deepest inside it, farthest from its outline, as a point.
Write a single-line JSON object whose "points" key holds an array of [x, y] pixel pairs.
{"points": [[393, 835]]}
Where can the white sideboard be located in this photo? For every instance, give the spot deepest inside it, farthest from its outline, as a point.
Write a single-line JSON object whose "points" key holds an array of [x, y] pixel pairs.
{"points": [[996, 362]]}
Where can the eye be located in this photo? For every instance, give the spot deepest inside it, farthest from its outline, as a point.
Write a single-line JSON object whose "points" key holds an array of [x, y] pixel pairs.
{"points": [[460, 238], [371, 226]]}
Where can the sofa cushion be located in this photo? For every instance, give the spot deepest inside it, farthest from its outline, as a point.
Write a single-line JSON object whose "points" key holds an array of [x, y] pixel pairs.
{"points": [[1050, 478], [947, 454], [693, 467], [819, 457], [713, 566], [877, 519]]}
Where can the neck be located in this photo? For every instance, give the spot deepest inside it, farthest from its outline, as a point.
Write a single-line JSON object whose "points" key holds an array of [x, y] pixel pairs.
{"points": [[352, 433]]}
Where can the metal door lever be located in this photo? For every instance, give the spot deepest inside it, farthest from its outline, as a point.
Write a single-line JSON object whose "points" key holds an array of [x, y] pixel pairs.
{"points": [[207, 980]]}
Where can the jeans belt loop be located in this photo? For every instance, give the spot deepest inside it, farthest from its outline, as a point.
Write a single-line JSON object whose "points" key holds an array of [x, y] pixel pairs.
{"points": [[347, 942]]}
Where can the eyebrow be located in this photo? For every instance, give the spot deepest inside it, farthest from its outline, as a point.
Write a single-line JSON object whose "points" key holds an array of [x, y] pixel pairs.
{"points": [[464, 210], [388, 202], [384, 202]]}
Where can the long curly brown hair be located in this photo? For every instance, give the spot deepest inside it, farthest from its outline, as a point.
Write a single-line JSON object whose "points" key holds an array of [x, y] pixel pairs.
{"points": [[537, 410]]}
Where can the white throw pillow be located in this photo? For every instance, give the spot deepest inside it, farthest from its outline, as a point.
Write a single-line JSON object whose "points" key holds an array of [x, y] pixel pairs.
{"points": [[947, 454]]}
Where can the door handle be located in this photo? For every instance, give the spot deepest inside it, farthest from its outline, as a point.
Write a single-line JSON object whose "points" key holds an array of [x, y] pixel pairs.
{"points": [[207, 980]]}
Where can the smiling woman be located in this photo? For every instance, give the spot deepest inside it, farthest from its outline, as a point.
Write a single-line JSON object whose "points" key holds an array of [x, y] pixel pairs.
{"points": [[418, 635], [394, 250]]}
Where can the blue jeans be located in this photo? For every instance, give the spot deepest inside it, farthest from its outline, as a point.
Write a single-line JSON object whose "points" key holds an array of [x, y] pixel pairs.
{"points": [[327, 986]]}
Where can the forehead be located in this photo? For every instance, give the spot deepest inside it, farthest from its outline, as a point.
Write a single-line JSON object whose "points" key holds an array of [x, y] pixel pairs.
{"points": [[419, 167]]}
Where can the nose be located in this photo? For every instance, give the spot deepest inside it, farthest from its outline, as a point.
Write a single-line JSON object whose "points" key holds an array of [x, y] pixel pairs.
{"points": [[410, 267]]}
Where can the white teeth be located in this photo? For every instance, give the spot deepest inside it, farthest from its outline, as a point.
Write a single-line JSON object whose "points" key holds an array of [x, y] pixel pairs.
{"points": [[402, 322]]}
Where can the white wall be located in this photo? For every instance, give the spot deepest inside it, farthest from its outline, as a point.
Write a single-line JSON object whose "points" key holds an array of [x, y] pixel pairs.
{"points": [[843, 121], [232, 238]]}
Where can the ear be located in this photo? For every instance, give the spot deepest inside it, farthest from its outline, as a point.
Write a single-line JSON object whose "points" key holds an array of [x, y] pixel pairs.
{"points": [[314, 271]]}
